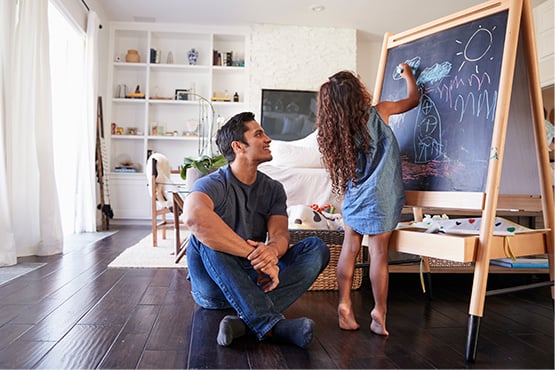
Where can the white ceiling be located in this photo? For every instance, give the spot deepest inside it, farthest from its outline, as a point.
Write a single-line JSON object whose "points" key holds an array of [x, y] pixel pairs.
{"points": [[372, 17]]}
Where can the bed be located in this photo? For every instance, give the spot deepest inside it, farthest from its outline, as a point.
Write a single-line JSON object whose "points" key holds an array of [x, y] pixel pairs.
{"points": [[297, 165]]}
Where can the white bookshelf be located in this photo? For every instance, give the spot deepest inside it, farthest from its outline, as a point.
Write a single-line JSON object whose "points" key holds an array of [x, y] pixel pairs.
{"points": [[176, 121]]}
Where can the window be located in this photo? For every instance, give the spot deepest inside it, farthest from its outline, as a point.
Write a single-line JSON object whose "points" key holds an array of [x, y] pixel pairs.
{"points": [[67, 53]]}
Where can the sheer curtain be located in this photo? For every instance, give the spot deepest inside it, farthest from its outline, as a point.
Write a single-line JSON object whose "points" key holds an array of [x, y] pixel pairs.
{"points": [[7, 241], [85, 220], [67, 45], [31, 187], [73, 64]]}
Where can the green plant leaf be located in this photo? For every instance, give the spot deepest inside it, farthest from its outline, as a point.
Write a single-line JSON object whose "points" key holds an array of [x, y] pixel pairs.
{"points": [[218, 161], [204, 164], [183, 173], [188, 161]]}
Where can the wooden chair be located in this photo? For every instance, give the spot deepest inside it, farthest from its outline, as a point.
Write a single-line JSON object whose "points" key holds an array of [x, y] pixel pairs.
{"points": [[180, 244], [161, 205]]}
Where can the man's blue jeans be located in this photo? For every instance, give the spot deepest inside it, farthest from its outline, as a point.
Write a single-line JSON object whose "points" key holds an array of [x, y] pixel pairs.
{"points": [[220, 280]]}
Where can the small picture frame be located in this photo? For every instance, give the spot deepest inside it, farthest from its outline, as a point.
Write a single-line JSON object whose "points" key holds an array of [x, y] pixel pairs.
{"points": [[182, 94]]}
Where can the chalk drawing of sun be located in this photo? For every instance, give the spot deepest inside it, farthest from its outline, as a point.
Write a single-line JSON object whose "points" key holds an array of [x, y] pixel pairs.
{"points": [[477, 46]]}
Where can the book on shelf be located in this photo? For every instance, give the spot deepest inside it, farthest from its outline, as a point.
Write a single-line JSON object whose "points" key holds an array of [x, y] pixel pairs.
{"points": [[125, 169], [527, 263]]}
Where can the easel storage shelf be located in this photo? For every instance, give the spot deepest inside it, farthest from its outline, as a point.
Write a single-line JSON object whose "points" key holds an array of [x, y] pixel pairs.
{"points": [[465, 248], [480, 92]]}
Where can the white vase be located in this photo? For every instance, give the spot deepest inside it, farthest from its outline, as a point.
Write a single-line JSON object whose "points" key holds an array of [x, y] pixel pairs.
{"points": [[193, 175]]}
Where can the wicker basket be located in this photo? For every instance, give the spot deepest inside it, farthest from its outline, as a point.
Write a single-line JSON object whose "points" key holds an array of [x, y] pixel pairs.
{"points": [[333, 239]]}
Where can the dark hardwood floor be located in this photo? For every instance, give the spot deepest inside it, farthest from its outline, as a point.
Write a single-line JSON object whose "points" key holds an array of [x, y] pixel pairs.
{"points": [[76, 313]]}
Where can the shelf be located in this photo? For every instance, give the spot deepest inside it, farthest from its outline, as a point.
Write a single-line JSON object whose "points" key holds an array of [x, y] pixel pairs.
{"points": [[462, 248], [128, 100], [226, 69], [127, 137], [415, 268], [173, 102], [227, 104], [128, 175], [175, 138], [125, 65], [161, 78], [185, 67]]}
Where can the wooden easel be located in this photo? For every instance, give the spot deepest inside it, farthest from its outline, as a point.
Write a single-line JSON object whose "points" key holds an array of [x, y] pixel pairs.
{"points": [[485, 246]]}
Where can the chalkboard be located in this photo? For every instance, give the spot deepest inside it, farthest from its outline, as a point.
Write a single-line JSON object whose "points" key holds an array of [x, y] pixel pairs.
{"points": [[471, 66], [445, 142]]}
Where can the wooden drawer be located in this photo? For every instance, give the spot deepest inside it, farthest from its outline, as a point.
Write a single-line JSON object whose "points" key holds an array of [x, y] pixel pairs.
{"points": [[463, 248]]}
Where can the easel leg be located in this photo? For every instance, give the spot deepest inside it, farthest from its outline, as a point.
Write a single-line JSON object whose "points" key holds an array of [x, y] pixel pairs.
{"points": [[429, 283], [428, 273], [472, 337]]}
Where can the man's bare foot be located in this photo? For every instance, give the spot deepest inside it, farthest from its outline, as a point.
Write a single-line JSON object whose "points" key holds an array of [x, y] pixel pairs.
{"points": [[347, 319], [377, 325]]}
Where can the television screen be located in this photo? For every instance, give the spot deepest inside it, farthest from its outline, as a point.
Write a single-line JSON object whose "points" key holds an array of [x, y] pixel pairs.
{"points": [[288, 114]]}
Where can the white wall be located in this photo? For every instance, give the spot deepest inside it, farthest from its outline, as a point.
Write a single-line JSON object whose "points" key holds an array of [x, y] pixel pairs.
{"points": [[543, 22], [296, 58], [368, 58], [75, 10]]}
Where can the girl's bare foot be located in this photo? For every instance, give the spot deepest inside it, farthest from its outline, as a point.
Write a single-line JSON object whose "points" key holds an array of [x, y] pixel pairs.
{"points": [[378, 323], [347, 319]]}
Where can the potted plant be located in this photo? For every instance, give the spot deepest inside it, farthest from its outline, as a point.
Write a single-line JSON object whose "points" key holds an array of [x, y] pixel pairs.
{"points": [[195, 168], [203, 164], [208, 160]]}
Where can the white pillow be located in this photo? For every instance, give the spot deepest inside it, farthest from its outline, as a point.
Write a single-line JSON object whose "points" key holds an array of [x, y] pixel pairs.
{"points": [[298, 153]]}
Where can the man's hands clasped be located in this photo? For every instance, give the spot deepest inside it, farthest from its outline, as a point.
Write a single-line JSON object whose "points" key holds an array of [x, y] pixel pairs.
{"points": [[265, 261]]}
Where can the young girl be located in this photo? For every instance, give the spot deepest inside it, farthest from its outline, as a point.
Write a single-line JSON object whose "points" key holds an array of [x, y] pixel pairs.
{"points": [[361, 154]]}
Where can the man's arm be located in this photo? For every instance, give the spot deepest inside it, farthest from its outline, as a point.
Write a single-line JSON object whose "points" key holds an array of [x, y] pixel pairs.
{"points": [[278, 234], [278, 242], [209, 228], [266, 255]]}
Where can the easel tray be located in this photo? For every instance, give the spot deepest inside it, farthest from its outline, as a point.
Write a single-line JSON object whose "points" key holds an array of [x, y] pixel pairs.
{"points": [[462, 248]]}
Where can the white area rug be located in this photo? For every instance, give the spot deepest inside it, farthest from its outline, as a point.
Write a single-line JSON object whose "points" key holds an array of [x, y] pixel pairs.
{"points": [[8, 273], [145, 255]]}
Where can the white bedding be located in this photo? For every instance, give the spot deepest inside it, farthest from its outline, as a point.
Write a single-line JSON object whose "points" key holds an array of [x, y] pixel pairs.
{"points": [[303, 185], [297, 165]]}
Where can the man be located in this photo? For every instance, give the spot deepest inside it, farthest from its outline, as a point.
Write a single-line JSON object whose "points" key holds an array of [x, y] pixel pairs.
{"points": [[238, 254]]}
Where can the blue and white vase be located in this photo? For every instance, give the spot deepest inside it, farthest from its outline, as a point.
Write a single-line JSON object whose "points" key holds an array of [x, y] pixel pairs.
{"points": [[193, 56]]}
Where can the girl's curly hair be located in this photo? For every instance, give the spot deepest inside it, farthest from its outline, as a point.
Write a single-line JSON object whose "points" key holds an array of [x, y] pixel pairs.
{"points": [[343, 111]]}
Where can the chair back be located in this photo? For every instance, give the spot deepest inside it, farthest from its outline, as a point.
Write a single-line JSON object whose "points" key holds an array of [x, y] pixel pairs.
{"points": [[158, 172]]}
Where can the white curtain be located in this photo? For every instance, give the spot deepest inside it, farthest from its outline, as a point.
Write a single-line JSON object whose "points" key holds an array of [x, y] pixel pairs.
{"points": [[67, 60], [85, 212], [7, 241], [31, 188]]}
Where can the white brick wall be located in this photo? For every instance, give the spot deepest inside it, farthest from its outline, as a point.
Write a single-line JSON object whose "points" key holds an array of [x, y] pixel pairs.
{"points": [[296, 58]]}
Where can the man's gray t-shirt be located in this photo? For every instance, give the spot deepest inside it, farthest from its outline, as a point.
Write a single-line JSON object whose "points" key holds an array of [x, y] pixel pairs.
{"points": [[244, 208]]}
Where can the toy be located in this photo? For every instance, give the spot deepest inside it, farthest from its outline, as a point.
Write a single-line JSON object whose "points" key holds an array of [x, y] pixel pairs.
{"points": [[314, 218], [304, 217], [334, 220]]}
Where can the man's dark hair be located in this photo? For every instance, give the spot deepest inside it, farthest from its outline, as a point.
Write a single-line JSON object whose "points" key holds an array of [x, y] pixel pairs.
{"points": [[233, 130]]}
